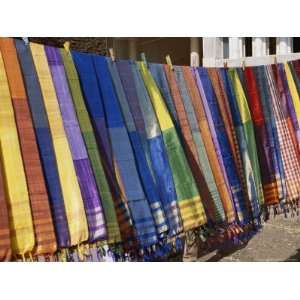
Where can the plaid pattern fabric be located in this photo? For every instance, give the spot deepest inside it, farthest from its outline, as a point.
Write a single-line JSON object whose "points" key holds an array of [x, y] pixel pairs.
{"points": [[112, 227], [289, 156], [158, 156], [44, 140], [204, 156], [222, 144], [91, 93], [265, 149], [5, 243], [39, 202], [213, 155], [189, 201], [83, 169], [19, 211], [122, 77], [190, 129], [122, 149], [75, 213]]}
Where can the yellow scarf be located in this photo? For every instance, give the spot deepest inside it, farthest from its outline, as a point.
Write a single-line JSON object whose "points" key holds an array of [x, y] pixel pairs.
{"points": [[20, 219], [70, 188]]}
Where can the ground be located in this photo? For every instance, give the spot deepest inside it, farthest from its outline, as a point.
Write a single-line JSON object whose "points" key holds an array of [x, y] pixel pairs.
{"points": [[279, 240]]}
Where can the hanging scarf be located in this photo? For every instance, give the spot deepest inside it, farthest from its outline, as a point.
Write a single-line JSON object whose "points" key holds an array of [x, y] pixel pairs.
{"points": [[272, 130], [211, 150], [189, 201], [70, 188], [191, 135], [91, 93], [203, 155], [159, 76], [113, 231], [90, 196], [19, 211], [42, 220], [5, 243], [223, 147], [43, 137], [265, 150], [289, 155], [149, 186], [242, 140], [158, 155]]}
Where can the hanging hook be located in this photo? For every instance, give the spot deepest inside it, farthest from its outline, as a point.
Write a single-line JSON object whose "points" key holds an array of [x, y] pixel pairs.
{"points": [[169, 62], [112, 54]]}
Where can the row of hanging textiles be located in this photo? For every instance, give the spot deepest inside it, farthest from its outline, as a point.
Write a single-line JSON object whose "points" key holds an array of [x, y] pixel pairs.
{"points": [[118, 160]]}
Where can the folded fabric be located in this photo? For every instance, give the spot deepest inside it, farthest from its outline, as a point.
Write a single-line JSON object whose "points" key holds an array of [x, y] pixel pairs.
{"points": [[45, 145], [74, 206], [265, 150], [158, 155], [38, 196], [91, 91], [123, 153], [121, 70], [89, 192], [112, 227], [189, 200], [19, 211]]}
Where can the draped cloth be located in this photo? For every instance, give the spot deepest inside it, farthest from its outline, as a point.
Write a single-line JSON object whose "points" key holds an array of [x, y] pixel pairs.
{"points": [[98, 136], [5, 243], [193, 143], [123, 152], [248, 129], [222, 145], [157, 154], [19, 211], [117, 70], [112, 227], [289, 153], [44, 141], [265, 149], [211, 150], [203, 155], [74, 206], [39, 202], [189, 201], [87, 183]]}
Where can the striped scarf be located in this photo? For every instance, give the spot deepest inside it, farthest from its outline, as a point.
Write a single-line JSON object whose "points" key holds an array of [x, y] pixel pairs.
{"points": [[158, 155], [91, 93], [40, 208], [44, 140], [265, 149], [118, 71], [76, 218], [189, 201], [122, 150], [191, 137], [289, 154], [19, 211], [89, 192]]}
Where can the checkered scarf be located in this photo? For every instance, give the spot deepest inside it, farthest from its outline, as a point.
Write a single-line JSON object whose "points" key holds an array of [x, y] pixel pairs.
{"points": [[44, 140], [189, 200], [223, 147], [124, 86], [158, 155], [192, 140], [265, 146], [87, 183], [74, 206], [19, 211], [94, 111], [289, 155], [38, 196], [123, 153]]}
